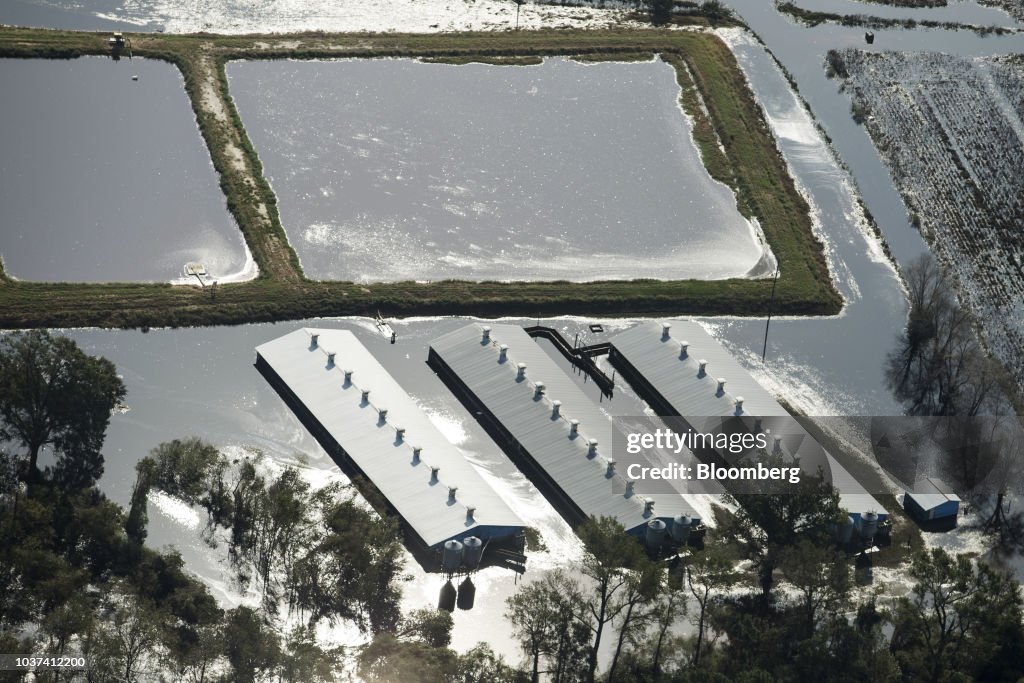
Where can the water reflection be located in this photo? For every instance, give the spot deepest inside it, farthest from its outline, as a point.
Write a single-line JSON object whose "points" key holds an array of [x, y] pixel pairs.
{"points": [[399, 170], [104, 177]]}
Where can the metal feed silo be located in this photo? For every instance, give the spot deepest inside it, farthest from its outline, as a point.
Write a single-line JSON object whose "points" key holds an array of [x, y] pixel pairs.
{"points": [[681, 528], [472, 552], [451, 558], [654, 535]]}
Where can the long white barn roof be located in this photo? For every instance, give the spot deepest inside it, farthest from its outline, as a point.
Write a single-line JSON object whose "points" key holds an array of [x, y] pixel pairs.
{"points": [[656, 353], [373, 443], [529, 418]]}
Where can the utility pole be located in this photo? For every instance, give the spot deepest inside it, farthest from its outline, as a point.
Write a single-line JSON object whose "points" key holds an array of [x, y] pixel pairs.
{"points": [[519, 3], [771, 303]]}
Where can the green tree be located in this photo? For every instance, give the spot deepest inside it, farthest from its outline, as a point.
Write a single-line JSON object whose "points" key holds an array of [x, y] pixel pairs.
{"points": [[543, 614], [431, 626], [960, 617], [670, 607], [194, 650], [482, 665], [850, 651], [756, 643], [610, 559], [353, 570], [821, 577], [654, 652], [636, 611], [938, 366], [390, 659], [186, 468], [9, 484], [708, 573], [252, 648], [714, 10], [123, 646], [90, 532], [52, 394], [661, 11], [766, 523], [304, 661], [65, 621], [138, 513]]}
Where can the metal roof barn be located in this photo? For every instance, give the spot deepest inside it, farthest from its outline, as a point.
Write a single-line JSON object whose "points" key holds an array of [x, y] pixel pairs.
{"points": [[365, 420], [681, 370], [559, 437], [932, 503]]}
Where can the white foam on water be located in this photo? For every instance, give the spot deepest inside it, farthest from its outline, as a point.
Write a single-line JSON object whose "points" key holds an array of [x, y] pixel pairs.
{"points": [[175, 509], [211, 258]]}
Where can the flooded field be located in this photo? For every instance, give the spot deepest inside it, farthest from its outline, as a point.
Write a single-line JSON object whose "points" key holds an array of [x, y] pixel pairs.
{"points": [[951, 130], [400, 170], [106, 178], [1012, 7], [282, 16]]}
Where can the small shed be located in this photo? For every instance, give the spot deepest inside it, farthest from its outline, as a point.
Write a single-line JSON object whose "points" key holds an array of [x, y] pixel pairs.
{"points": [[932, 504]]}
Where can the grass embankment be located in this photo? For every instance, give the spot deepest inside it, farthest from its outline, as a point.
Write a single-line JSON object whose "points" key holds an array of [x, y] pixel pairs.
{"points": [[750, 164]]}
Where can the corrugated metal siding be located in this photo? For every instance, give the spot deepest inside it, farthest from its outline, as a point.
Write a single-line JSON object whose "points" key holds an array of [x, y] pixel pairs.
{"points": [[676, 377], [529, 419], [373, 444], [655, 353]]}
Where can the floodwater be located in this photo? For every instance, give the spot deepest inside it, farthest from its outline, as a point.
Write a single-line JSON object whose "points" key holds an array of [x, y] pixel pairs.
{"points": [[801, 51], [201, 382], [391, 169], [967, 12], [83, 15], [290, 16], [826, 366], [106, 178]]}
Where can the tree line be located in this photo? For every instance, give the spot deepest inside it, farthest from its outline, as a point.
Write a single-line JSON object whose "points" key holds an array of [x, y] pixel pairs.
{"points": [[961, 620], [76, 577], [318, 553], [770, 598]]}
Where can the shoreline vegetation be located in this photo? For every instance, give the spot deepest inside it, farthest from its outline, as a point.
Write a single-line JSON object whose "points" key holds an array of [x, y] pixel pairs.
{"points": [[814, 17], [736, 144], [909, 3]]}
